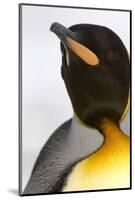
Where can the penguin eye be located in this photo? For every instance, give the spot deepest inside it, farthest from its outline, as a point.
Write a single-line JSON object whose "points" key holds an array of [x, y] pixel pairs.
{"points": [[112, 55]]}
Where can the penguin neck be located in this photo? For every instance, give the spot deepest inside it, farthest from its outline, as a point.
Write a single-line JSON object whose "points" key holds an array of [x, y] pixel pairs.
{"points": [[91, 138], [112, 133], [108, 129]]}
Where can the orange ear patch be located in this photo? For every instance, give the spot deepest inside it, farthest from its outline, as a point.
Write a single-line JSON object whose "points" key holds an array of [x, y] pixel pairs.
{"points": [[83, 52]]}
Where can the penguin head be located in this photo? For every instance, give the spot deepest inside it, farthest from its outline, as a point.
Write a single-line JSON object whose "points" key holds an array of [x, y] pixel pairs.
{"points": [[96, 71]]}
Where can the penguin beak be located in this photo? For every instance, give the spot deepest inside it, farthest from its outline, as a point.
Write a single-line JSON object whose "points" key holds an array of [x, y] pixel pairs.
{"points": [[69, 39], [62, 32]]}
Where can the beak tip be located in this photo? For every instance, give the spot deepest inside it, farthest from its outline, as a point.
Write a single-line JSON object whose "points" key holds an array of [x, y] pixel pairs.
{"points": [[61, 31], [53, 26]]}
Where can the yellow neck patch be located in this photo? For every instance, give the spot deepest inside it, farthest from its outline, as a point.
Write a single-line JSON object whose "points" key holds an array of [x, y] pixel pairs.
{"points": [[107, 168]]}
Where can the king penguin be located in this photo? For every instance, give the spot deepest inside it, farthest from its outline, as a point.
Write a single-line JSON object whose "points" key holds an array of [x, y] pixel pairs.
{"points": [[90, 151]]}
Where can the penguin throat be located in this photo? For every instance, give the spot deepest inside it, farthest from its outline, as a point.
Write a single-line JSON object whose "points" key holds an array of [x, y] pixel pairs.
{"points": [[109, 129]]}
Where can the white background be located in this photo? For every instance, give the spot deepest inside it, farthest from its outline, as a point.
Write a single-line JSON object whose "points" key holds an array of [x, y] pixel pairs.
{"points": [[46, 104], [9, 101]]}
